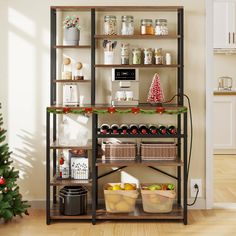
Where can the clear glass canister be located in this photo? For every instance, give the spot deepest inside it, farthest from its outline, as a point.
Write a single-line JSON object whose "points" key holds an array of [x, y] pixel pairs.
{"points": [[147, 26], [158, 56], [110, 25], [161, 27], [136, 53], [127, 25], [147, 56], [125, 54]]}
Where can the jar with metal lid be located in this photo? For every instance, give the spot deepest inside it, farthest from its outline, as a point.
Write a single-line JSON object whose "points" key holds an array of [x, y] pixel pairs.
{"points": [[125, 54], [147, 56], [110, 25], [127, 25], [161, 27], [158, 56], [147, 27], [136, 56]]}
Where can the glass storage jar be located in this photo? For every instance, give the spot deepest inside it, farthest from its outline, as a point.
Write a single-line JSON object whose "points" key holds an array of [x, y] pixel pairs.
{"points": [[158, 56], [147, 56], [127, 25], [161, 27], [110, 25], [136, 56], [124, 54], [147, 26]]}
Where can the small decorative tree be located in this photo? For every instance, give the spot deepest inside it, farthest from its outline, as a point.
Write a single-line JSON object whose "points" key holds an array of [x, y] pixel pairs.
{"points": [[155, 94], [11, 203]]}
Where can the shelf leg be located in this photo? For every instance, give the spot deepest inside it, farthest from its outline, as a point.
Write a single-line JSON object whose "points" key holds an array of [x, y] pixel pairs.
{"points": [[185, 168], [179, 181], [47, 168]]}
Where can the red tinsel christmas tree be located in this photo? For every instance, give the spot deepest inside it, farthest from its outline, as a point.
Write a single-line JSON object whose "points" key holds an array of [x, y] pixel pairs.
{"points": [[155, 94]]}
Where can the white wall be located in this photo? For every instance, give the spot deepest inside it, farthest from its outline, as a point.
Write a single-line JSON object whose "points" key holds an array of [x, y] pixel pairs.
{"points": [[25, 75]]}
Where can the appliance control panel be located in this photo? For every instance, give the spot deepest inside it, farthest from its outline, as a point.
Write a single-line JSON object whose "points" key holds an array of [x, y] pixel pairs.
{"points": [[128, 74]]}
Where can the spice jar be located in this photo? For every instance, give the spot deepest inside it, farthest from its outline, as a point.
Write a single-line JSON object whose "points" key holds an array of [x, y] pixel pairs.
{"points": [[161, 27], [127, 25], [124, 54], [158, 56], [110, 25], [147, 56], [66, 69], [136, 56], [146, 26]]}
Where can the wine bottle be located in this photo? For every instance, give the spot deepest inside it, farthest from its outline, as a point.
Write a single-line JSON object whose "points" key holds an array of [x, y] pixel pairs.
{"points": [[124, 129], [133, 129], [105, 129], [152, 129], [171, 129], [115, 129], [162, 129], [143, 129]]}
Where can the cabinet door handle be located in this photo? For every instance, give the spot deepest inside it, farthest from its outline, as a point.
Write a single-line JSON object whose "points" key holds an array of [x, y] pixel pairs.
{"points": [[233, 37], [229, 37]]}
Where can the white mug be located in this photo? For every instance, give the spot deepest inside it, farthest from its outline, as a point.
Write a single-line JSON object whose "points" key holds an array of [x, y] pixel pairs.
{"points": [[129, 95]]}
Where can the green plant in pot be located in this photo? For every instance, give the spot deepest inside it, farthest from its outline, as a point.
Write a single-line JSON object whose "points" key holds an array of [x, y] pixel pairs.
{"points": [[71, 30]]}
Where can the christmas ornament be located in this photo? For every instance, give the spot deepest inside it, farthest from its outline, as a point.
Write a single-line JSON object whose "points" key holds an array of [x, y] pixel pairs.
{"points": [[155, 94], [2, 180], [61, 161], [5, 190]]}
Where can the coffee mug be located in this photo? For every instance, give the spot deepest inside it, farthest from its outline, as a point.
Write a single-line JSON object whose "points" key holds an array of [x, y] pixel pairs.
{"points": [[129, 95]]}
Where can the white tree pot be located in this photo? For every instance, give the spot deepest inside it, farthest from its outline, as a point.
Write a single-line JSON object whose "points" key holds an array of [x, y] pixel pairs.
{"points": [[71, 36]]}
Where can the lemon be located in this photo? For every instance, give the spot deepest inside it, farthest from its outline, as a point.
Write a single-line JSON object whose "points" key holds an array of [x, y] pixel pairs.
{"points": [[129, 187], [116, 187]]}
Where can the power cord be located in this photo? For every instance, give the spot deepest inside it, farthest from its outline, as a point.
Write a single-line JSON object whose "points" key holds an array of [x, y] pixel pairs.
{"points": [[191, 141]]}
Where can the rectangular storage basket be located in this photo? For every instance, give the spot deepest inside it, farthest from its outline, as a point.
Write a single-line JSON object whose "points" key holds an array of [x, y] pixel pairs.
{"points": [[157, 201], [120, 151], [120, 201], [158, 150]]}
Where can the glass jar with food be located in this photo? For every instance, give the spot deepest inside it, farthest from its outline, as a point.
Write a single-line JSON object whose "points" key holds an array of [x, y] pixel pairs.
{"points": [[147, 56], [147, 27], [161, 27], [125, 54], [127, 25], [110, 25], [158, 56], [136, 56]]}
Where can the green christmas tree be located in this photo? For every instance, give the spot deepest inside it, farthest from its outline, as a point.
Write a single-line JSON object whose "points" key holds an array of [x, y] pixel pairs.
{"points": [[11, 203]]}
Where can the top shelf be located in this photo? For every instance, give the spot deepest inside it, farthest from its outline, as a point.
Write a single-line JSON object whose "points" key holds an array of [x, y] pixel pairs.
{"points": [[72, 46], [137, 36], [118, 8]]}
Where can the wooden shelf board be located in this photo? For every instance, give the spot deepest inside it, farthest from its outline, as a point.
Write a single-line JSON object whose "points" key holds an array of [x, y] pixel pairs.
{"points": [[56, 215], [105, 106], [117, 163], [70, 182], [118, 8], [56, 145], [137, 36], [71, 81], [139, 66], [139, 214], [139, 136], [72, 46]]}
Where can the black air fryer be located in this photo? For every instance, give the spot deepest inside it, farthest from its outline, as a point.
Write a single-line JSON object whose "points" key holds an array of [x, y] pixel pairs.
{"points": [[73, 200]]}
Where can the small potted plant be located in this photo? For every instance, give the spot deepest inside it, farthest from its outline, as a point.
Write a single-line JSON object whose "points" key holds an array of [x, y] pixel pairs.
{"points": [[71, 30]]}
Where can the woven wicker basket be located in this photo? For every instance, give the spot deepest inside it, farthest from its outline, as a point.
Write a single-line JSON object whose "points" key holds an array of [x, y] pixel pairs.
{"points": [[120, 151], [158, 150]]}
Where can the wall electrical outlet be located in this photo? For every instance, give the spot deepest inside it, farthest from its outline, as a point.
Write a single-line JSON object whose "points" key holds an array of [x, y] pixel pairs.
{"points": [[194, 190]]}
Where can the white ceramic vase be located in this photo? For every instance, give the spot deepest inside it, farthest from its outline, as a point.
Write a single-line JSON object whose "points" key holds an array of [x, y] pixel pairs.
{"points": [[71, 36]]}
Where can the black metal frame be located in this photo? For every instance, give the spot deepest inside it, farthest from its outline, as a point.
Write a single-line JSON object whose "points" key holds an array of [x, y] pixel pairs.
{"points": [[181, 122]]}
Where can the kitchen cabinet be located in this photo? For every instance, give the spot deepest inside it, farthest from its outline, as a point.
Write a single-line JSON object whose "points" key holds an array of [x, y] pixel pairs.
{"points": [[224, 118], [224, 24]]}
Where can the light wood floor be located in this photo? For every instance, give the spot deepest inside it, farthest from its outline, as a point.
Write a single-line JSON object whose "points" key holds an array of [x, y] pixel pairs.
{"points": [[225, 178], [201, 222]]}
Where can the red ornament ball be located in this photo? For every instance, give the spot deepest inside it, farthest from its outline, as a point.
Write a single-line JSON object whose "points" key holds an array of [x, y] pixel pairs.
{"points": [[2, 181]]}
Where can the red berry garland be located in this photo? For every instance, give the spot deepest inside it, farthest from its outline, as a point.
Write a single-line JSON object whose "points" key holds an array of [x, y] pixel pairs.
{"points": [[66, 110], [88, 110], [135, 110], [111, 110], [160, 110]]}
